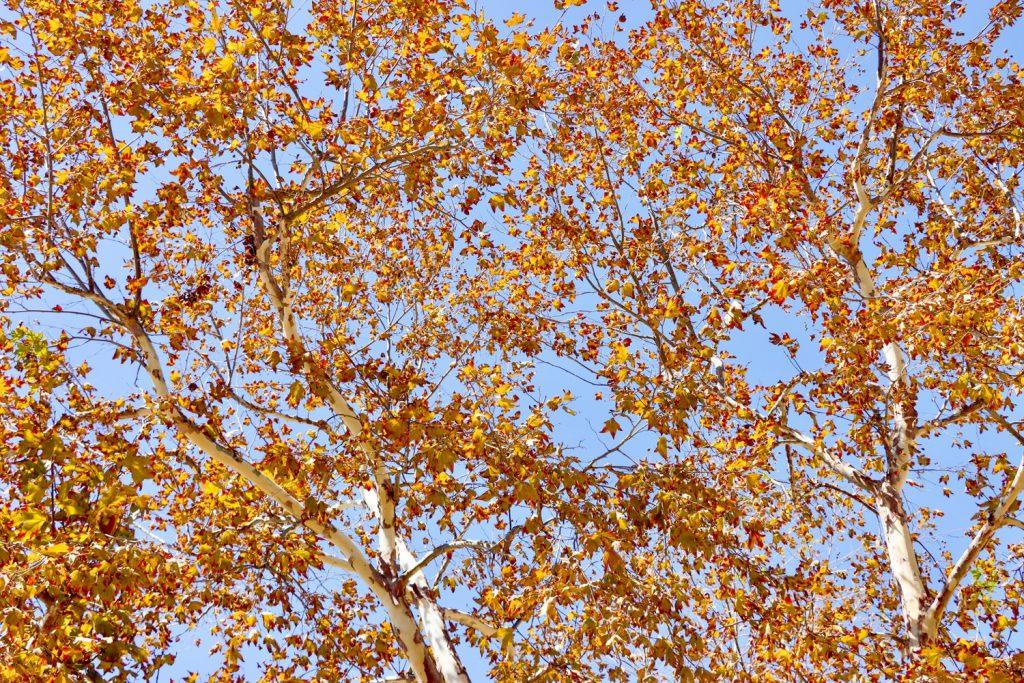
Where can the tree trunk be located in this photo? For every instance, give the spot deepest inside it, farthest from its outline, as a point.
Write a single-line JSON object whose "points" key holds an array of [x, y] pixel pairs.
{"points": [[903, 563]]}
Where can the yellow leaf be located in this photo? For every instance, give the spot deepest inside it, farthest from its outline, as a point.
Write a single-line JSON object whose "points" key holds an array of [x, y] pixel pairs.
{"points": [[296, 393], [31, 520], [313, 128], [737, 465], [225, 64], [550, 609], [55, 549], [780, 290], [504, 636], [190, 101], [933, 655]]}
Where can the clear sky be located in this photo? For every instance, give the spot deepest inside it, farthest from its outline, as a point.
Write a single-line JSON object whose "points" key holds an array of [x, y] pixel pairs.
{"points": [[583, 429]]}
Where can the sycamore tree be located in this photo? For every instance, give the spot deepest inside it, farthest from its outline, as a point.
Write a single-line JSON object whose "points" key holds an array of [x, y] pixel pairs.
{"points": [[307, 308], [248, 206], [793, 243]]}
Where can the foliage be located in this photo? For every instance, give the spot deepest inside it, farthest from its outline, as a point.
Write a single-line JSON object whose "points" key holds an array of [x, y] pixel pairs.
{"points": [[306, 307]]}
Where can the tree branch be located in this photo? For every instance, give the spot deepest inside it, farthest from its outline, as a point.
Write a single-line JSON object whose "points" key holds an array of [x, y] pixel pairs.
{"points": [[437, 552], [983, 535], [470, 621]]}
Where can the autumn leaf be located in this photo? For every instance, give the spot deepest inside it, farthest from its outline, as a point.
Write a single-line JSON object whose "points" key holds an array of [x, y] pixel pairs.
{"points": [[31, 521], [611, 427], [306, 316]]}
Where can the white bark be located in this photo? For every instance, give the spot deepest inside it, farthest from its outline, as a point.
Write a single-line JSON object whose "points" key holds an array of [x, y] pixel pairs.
{"points": [[400, 617], [470, 621], [896, 371], [899, 540], [379, 498], [999, 517], [899, 544], [427, 663], [448, 663]]}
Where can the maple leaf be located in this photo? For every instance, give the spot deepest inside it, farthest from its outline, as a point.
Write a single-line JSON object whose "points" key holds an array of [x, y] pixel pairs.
{"points": [[305, 316], [611, 427]]}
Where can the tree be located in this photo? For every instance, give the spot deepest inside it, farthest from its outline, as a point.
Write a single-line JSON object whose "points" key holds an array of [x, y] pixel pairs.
{"points": [[299, 301], [846, 190]]}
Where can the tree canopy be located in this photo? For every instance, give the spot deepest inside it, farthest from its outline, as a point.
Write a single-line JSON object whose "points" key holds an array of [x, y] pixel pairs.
{"points": [[408, 340]]}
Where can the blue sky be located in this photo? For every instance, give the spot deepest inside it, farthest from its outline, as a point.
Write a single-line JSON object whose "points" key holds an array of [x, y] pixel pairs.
{"points": [[583, 428]]}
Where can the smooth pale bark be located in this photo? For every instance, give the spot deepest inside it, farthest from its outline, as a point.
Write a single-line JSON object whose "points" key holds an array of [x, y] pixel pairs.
{"points": [[899, 544], [435, 663], [887, 494], [899, 540], [439, 660], [921, 615], [995, 520], [399, 615], [470, 621]]}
